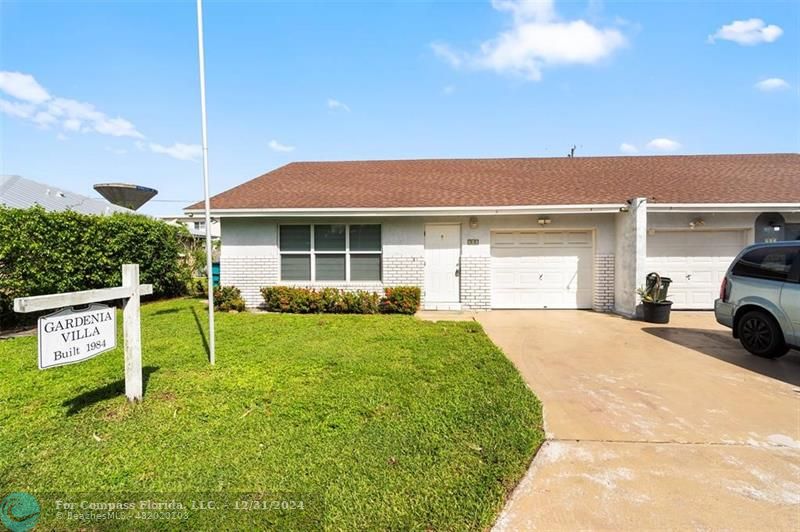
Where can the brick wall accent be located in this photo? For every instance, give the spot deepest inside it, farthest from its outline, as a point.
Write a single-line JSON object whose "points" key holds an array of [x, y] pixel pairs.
{"points": [[603, 296], [249, 274], [476, 283], [405, 271]]}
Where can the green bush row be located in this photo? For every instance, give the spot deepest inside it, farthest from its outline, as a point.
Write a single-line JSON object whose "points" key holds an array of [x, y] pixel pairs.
{"points": [[228, 298], [400, 299], [51, 252]]}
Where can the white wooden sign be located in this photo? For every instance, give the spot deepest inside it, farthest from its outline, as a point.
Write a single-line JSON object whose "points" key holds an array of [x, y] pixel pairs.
{"points": [[80, 334], [72, 335]]}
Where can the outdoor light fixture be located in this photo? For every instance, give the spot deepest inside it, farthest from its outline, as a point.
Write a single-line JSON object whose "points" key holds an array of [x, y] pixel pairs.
{"points": [[544, 220], [696, 222], [473, 222]]}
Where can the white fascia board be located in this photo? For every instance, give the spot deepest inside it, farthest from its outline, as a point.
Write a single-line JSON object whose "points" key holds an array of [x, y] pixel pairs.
{"points": [[722, 207], [416, 211]]}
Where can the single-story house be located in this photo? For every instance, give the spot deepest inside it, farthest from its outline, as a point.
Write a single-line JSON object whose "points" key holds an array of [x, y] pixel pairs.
{"points": [[195, 224], [481, 234], [20, 193]]}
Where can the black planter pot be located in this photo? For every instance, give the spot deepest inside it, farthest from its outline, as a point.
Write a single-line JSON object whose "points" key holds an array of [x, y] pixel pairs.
{"points": [[656, 312]]}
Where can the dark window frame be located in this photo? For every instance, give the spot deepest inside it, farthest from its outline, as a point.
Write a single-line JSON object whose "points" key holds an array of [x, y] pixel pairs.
{"points": [[313, 253]]}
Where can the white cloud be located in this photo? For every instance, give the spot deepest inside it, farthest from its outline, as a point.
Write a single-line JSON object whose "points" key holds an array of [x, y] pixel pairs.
{"points": [[117, 127], [523, 10], [20, 110], [22, 87], [44, 119], [663, 144], [274, 145], [747, 32], [450, 56], [72, 124], [183, 152], [37, 105], [81, 116], [628, 148], [336, 104], [772, 84], [537, 38]]}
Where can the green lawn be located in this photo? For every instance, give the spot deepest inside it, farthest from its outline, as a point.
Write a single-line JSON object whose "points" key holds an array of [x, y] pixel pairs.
{"points": [[373, 422]]}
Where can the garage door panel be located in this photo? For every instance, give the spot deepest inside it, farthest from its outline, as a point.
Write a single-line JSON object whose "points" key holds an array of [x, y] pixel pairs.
{"points": [[542, 269], [552, 238], [579, 238], [696, 261], [523, 239]]}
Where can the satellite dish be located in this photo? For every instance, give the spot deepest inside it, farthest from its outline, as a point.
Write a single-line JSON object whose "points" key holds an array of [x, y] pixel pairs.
{"points": [[126, 195]]}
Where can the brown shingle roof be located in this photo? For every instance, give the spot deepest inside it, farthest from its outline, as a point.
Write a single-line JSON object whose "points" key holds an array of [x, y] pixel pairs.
{"points": [[767, 178]]}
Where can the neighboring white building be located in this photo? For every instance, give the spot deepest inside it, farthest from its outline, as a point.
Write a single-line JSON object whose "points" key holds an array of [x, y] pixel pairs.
{"points": [[508, 233], [196, 224], [20, 193]]}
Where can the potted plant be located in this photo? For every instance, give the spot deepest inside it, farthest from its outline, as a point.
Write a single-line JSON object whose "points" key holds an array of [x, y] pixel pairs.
{"points": [[655, 306]]}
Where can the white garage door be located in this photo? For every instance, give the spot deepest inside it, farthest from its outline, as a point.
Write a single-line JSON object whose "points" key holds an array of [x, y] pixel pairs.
{"points": [[695, 260], [542, 269]]}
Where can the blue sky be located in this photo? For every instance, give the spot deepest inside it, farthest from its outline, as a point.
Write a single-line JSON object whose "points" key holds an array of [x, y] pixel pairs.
{"points": [[108, 91]]}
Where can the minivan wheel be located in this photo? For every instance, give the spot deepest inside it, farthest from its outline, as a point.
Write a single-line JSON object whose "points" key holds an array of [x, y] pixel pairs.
{"points": [[761, 335]]}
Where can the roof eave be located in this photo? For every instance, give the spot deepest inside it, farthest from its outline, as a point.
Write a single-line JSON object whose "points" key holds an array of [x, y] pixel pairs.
{"points": [[722, 207], [412, 211]]}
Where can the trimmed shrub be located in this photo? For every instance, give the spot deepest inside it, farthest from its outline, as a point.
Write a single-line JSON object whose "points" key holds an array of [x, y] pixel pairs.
{"points": [[309, 300], [228, 298], [403, 300], [51, 252], [287, 299], [198, 287]]}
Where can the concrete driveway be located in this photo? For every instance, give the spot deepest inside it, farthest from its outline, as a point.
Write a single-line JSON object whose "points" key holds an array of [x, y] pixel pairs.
{"points": [[653, 427]]}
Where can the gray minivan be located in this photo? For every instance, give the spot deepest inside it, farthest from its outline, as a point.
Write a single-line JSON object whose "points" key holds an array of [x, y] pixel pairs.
{"points": [[760, 298]]}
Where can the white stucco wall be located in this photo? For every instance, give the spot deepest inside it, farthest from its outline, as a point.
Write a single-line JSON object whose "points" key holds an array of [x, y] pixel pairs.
{"points": [[711, 221], [629, 256], [251, 259], [249, 237]]}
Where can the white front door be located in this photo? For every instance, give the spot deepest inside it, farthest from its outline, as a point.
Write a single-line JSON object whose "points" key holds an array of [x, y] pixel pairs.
{"points": [[695, 260], [442, 263], [541, 269]]}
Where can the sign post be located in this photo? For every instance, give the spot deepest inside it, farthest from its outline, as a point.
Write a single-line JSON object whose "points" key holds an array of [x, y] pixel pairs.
{"points": [[74, 335], [132, 332]]}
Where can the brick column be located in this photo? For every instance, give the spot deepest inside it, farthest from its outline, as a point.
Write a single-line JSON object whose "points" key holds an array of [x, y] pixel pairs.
{"points": [[476, 283], [603, 294]]}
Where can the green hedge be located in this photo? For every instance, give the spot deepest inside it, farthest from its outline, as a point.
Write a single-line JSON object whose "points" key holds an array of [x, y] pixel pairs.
{"points": [[228, 298], [50, 252], [401, 299]]}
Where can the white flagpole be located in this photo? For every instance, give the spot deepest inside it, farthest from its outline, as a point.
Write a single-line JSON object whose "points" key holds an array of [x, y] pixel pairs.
{"points": [[211, 356]]}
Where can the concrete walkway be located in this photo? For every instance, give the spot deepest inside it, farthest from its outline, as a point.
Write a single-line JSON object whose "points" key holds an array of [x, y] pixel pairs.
{"points": [[653, 427]]}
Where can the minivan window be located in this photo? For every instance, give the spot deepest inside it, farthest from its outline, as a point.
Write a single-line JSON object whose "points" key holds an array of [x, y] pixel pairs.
{"points": [[767, 263]]}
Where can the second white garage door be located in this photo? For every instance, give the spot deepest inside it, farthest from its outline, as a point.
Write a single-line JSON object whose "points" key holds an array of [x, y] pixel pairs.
{"points": [[696, 261], [542, 269]]}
